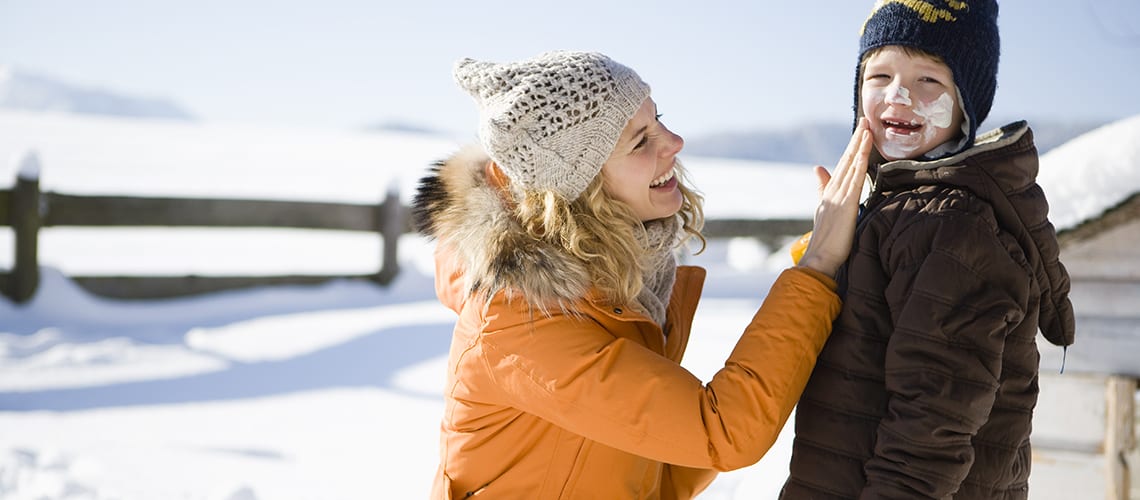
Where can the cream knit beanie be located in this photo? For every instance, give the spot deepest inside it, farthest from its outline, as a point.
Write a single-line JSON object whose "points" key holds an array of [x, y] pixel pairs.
{"points": [[551, 122]]}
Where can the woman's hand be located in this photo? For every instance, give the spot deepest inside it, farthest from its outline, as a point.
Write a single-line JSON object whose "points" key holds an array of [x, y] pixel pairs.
{"points": [[838, 205]]}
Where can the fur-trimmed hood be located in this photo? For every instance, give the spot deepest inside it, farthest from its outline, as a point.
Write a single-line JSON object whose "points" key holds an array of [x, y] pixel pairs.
{"points": [[458, 206]]}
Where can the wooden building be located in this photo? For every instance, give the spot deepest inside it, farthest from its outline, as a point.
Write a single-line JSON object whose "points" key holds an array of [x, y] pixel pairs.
{"points": [[1085, 424]]}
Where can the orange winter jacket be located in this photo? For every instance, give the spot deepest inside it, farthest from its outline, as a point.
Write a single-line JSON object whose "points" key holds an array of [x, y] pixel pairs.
{"points": [[599, 406], [595, 404]]}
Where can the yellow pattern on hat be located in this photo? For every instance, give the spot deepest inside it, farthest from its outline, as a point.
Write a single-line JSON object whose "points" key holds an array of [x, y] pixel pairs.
{"points": [[927, 11]]}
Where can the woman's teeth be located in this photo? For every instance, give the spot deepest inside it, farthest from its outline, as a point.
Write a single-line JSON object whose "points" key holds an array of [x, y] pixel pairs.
{"points": [[663, 179]]}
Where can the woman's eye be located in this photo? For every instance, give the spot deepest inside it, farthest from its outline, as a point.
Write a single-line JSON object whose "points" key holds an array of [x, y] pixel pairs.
{"points": [[641, 143], [658, 116]]}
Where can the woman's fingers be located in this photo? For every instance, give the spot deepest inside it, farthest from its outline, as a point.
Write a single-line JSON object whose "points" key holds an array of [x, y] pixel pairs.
{"points": [[851, 149], [855, 172], [839, 204], [863, 158], [848, 168], [823, 177]]}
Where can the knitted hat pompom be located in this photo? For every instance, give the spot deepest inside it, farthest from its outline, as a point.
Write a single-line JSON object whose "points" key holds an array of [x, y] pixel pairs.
{"points": [[550, 122]]}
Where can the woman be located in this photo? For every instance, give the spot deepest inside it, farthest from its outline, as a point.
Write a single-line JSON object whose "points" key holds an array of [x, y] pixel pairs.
{"points": [[555, 246]]}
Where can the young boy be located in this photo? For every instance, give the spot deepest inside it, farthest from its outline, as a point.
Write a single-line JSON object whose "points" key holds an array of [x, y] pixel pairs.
{"points": [[927, 385]]}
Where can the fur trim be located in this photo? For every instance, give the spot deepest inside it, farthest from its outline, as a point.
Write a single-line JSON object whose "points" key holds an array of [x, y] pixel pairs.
{"points": [[456, 206]]}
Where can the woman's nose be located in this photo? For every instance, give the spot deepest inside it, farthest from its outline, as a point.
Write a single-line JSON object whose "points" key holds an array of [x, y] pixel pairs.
{"points": [[675, 142]]}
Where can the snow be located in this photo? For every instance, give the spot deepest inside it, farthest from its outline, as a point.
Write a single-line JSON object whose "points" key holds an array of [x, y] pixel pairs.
{"points": [[1091, 173], [328, 391], [29, 167]]}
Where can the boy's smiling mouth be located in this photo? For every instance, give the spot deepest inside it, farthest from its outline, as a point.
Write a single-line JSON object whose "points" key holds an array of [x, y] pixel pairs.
{"points": [[900, 127]]}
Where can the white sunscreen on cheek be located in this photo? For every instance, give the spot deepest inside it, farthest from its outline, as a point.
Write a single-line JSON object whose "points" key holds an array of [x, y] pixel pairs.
{"points": [[938, 113], [896, 147]]}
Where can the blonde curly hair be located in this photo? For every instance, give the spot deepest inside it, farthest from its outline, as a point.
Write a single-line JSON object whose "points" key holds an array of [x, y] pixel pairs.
{"points": [[605, 234]]}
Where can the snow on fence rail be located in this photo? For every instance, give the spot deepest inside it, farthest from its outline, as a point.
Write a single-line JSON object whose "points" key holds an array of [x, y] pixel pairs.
{"points": [[26, 210]]}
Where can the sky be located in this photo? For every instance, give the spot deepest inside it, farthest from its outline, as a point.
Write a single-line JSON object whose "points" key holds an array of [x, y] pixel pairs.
{"points": [[714, 66], [334, 391]]}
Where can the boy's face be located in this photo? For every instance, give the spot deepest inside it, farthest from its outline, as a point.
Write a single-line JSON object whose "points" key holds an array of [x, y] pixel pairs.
{"points": [[911, 103]]}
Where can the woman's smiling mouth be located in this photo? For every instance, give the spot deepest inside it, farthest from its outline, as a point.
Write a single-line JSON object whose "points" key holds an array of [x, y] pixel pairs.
{"points": [[661, 181]]}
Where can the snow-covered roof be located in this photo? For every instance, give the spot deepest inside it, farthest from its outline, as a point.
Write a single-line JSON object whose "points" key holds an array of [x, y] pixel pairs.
{"points": [[1092, 173]]}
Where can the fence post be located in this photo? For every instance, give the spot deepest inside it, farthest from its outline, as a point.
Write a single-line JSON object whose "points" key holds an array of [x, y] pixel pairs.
{"points": [[391, 220], [26, 222]]}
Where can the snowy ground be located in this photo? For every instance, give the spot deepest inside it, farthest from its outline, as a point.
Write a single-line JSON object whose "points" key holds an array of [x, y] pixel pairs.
{"points": [[329, 392], [323, 392]]}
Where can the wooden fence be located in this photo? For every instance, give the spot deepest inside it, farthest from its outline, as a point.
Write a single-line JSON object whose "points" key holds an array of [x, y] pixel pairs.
{"points": [[26, 210]]}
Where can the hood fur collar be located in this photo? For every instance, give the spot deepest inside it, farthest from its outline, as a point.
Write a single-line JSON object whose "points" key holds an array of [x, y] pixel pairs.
{"points": [[458, 207]]}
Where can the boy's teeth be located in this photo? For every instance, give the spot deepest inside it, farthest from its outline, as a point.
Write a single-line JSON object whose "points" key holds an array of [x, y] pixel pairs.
{"points": [[893, 123], [663, 179]]}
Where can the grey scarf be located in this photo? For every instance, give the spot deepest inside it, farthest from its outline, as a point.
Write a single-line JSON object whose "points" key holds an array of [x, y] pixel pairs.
{"points": [[659, 268]]}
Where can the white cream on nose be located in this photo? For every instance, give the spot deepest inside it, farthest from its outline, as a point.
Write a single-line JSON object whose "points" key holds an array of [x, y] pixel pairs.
{"points": [[897, 94]]}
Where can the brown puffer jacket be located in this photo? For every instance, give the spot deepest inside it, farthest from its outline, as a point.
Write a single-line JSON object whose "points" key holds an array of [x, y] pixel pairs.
{"points": [[927, 385], [594, 405]]}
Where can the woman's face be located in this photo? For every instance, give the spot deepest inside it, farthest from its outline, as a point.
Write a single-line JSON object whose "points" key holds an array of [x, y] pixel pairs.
{"points": [[640, 171], [911, 103]]}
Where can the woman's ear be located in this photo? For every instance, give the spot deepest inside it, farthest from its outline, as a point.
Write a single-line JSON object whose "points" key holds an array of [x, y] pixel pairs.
{"points": [[495, 176], [499, 180]]}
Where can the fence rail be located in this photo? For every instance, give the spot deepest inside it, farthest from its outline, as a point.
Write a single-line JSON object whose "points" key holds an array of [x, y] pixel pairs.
{"points": [[26, 210]]}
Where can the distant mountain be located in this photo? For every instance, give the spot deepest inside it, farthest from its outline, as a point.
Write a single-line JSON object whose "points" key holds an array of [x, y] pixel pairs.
{"points": [[822, 143], [27, 91], [812, 144], [405, 127]]}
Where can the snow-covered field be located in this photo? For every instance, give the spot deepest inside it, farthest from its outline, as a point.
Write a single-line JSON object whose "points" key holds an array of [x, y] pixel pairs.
{"points": [[330, 391], [322, 392]]}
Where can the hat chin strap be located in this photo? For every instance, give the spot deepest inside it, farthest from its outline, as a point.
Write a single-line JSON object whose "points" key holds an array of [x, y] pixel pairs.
{"points": [[965, 113]]}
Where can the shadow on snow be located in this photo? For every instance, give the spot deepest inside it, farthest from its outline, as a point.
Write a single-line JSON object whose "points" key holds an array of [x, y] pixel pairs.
{"points": [[371, 360]]}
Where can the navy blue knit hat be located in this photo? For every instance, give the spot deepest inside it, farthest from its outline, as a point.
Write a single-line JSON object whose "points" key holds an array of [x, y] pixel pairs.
{"points": [[964, 33]]}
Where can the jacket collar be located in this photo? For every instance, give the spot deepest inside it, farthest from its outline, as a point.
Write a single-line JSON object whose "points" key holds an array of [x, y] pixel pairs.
{"points": [[1001, 169]]}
